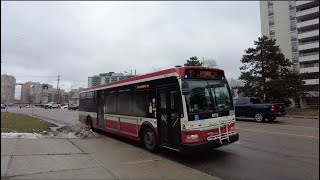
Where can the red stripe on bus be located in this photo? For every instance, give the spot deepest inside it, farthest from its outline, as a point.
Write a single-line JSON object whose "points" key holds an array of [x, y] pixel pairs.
{"points": [[123, 134], [111, 124], [129, 128], [94, 122]]}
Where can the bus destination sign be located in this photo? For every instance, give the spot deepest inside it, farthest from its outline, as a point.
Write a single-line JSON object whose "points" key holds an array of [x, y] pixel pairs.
{"points": [[204, 74]]}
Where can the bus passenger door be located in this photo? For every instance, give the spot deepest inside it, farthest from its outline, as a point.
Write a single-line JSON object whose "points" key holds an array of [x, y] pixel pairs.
{"points": [[100, 104], [169, 107]]}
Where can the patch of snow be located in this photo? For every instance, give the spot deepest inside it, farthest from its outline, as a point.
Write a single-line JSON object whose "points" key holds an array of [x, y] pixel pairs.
{"points": [[21, 135], [70, 132]]}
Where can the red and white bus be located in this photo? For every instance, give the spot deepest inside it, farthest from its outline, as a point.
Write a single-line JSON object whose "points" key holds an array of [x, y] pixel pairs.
{"points": [[182, 108]]}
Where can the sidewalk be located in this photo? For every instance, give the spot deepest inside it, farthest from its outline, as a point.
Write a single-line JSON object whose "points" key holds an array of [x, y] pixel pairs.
{"points": [[87, 158]]}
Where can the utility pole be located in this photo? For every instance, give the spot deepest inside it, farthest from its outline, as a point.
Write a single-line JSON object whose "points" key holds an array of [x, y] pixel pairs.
{"points": [[32, 86], [58, 89], [8, 95]]}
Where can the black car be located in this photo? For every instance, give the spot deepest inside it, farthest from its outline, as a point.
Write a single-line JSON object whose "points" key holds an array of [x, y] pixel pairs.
{"points": [[251, 107], [73, 107]]}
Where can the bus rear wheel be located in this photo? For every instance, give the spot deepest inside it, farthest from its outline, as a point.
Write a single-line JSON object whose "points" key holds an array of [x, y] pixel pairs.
{"points": [[149, 139], [89, 123]]}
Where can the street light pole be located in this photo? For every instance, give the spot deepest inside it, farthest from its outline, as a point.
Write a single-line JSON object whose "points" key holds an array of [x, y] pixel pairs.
{"points": [[8, 94]]}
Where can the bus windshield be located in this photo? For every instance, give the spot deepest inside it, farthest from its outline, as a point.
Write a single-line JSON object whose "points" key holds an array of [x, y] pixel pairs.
{"points": [[208, 96]]}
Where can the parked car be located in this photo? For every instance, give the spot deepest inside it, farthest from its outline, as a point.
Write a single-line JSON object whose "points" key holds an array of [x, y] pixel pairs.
{"points": [[73, 107], [64, 106], [3, 106], [51, 105], [251, 107]]}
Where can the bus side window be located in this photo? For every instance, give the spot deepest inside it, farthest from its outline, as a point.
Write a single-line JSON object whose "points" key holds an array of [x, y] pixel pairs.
{"points": [[111, 105], [140, 104], [124, 104]]}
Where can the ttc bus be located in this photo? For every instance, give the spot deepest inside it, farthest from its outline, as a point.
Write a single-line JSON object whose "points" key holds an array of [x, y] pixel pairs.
{"points": [[182, 108]]}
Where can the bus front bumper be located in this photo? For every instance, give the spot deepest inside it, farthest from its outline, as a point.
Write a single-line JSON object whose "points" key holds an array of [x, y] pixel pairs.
{"points": [[207, 145]]}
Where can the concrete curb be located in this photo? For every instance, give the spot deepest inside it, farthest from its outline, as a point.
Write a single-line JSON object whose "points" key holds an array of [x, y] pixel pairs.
{"points": [[305, 117]]}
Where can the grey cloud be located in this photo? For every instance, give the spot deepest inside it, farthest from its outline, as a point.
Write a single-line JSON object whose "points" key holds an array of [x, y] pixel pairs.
{"points": [[80, 39]]}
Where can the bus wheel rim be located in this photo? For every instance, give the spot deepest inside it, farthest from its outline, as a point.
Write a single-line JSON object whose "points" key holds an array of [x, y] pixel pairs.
{"points": [[149, 138]]}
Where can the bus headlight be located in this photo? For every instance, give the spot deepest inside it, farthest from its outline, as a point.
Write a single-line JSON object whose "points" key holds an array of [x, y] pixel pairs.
{"points": [[192, 136], [231, 112], [232, 128]]}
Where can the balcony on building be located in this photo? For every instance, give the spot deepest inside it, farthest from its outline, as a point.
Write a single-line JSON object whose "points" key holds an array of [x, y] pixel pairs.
{"points": [[311, 81], [307, 12], [312, 94], [308, 34], [309, 70], [304, 4], [308, 24], [309, 45], [309, 57]]}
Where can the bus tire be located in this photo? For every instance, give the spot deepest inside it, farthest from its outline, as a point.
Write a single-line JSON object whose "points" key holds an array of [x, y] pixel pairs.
{"points": [[89, 122], [149, 139], [259, 117]]}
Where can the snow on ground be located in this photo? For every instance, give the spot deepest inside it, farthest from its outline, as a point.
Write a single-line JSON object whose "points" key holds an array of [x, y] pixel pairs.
{"points": [[72, 131], [21, 135]]}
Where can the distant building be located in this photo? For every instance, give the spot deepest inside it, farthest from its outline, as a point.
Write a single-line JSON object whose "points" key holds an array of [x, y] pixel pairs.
{"points": [[31, 93], [74, 96], [106, 78], [295, 27], [8, 87], [57, 95], [44, 93]]}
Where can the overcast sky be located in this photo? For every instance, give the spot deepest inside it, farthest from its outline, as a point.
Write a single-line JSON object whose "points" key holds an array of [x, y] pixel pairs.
{"points": [[40, 40]]}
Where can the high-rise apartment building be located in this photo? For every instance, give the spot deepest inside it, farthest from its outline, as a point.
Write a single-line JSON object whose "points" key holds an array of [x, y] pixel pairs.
{"points": [[106, 78], [295, 26], [8, 87]]}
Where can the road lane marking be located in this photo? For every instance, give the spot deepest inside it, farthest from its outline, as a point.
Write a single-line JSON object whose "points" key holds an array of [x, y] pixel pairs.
{"points": [[300, 126], [270, 126], [275, 125], [272, 132]]}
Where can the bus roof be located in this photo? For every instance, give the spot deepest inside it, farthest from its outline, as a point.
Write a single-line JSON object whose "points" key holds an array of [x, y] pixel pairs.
{"points": [[177, 71]]}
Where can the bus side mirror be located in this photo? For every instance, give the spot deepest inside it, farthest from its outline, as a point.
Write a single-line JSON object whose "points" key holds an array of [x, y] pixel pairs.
{"points": [[185, 88]]}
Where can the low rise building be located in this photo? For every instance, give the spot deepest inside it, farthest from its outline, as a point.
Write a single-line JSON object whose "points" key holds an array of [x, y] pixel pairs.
{"points": [[104, 78]]}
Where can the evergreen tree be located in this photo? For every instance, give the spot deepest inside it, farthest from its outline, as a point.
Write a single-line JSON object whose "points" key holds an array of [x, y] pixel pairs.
{"points": [[193, 61], [267, 73]]}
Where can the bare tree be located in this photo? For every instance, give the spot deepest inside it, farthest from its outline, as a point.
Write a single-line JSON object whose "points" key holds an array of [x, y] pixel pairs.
{"points": [[210, 63], [156, 69], [234, 83]]}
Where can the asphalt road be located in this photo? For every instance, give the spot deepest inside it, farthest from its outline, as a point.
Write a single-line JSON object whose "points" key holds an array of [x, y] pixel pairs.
{"points": [[285, 149]]}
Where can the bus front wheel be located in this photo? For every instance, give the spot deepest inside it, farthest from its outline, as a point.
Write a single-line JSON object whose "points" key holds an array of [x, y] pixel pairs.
{"points": [[149, 139]]}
